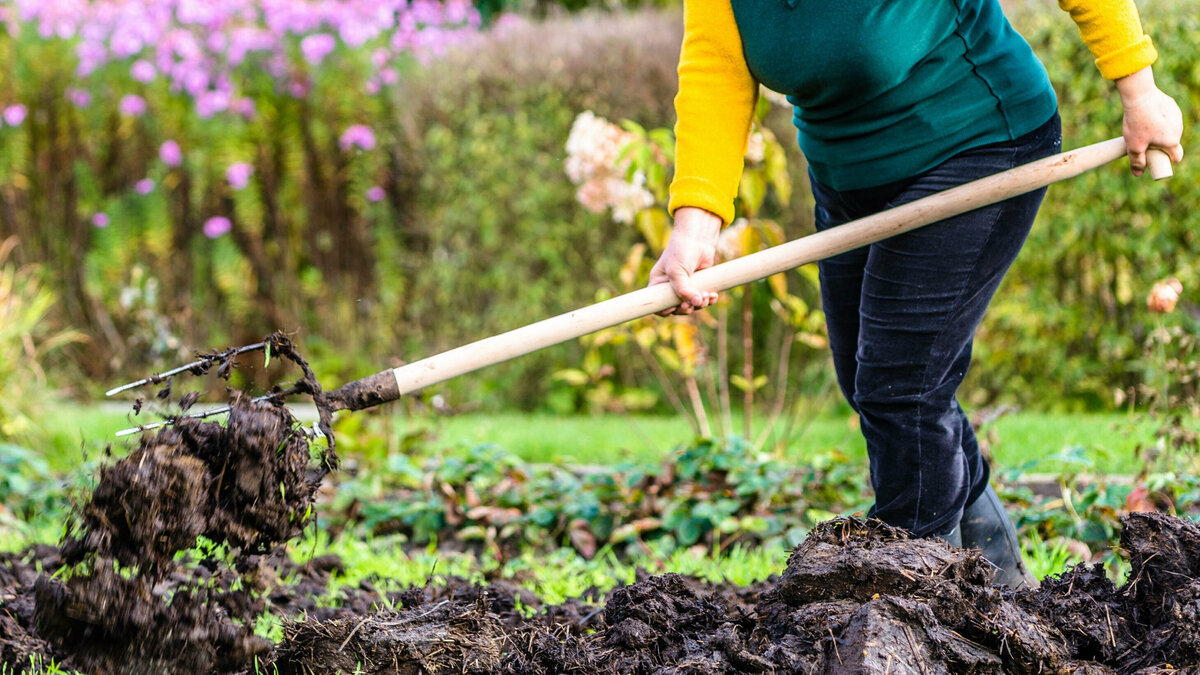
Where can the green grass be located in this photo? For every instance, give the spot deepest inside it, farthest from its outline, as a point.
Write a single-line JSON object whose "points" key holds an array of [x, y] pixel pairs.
{"points": [[553, 576], [1107, 439]]}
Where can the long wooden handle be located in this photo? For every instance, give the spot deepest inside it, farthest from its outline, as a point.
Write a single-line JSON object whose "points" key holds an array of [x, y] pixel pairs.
{"points": [[388, 385]]}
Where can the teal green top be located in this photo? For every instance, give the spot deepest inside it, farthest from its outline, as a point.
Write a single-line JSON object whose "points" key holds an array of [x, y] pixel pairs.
{"points": [[886, 89]]}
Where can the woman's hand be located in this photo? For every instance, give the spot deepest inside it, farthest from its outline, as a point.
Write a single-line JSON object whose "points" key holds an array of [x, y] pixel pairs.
{"points": [[1152, 119], [691, 247]]}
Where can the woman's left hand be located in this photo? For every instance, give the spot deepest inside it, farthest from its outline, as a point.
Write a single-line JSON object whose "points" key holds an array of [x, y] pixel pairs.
{"points": [[1152, 119]]}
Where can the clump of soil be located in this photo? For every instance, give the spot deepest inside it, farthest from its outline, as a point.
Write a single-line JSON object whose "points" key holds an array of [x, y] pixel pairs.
{"points": [[126, 599], [246, 484]]}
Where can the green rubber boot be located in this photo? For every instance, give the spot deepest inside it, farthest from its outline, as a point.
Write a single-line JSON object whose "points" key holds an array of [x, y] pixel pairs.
{"points": [[986, 526], [953, 537]]}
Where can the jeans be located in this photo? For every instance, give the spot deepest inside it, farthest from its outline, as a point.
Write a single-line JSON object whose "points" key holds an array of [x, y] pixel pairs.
{"points": [[902, 315]]}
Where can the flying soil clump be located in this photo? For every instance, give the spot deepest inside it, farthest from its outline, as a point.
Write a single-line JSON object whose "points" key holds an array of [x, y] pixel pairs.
{"points": [[125, 598]]}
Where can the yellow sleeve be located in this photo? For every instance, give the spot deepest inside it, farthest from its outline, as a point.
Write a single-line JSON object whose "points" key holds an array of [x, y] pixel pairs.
{"points": [[1112, 30], [713, 110]]}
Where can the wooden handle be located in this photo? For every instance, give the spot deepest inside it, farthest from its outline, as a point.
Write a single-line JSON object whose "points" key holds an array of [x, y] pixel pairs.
{"points": [[1159, 164], [851, 235]]}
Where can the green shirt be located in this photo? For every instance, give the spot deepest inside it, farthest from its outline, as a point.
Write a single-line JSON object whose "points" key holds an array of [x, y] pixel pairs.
{"points": [[886, 89]]}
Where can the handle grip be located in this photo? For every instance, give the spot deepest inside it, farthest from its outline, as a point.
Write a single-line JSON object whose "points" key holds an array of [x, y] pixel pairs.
{"points": [[1159, 164], [391, 384]]}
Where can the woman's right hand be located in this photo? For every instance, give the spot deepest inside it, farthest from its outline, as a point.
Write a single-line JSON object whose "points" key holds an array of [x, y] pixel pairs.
{"points": [[691, 247]]}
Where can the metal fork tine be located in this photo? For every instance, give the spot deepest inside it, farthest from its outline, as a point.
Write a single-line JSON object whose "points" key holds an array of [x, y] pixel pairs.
{"points": [[181, 369], [201, 415]]}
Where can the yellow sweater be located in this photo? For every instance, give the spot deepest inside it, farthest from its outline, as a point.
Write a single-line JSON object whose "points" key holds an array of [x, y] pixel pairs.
{"points": [[717, 90]]}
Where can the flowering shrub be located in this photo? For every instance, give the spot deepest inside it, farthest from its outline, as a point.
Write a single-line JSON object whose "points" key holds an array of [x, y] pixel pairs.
{"points": [[625, 171], [199, 47], [226, 146]]}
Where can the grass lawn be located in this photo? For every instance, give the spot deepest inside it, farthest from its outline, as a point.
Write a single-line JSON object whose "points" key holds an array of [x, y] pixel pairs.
{"points": [[1105, 439]]}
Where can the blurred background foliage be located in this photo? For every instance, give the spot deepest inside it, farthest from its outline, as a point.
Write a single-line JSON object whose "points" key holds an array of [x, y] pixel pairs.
{"points": [[458, 221]]}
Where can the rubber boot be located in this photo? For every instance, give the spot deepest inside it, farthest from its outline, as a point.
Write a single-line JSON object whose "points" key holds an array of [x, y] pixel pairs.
{"points": [[986, 526], [953, 537]]}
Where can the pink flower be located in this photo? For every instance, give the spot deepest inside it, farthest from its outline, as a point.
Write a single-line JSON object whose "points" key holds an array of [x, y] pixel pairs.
{"points": [[358, 136], [143, 71], [298, 89], [14, 115], [80, 98], [100, 220], [132, 105], [316, 47], [170, 154], [244, 106], [375, 194], [217, 226], [212, 102], [238, 175], [1164, 295], [144, 186]]}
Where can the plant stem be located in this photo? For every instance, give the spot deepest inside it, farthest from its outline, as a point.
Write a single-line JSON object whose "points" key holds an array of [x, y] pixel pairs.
{"points": [[723, 368], [669, 389], [781, 387], [698, 406], [748, 360]]}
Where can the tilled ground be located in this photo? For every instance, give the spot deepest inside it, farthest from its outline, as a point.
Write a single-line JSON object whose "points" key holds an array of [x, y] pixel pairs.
{"points": [[856, 596], [121, 596]]}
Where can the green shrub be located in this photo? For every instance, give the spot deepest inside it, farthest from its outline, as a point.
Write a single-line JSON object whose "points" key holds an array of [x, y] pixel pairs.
{"points": [[496, 238], [26, 338], [1068, 326]]}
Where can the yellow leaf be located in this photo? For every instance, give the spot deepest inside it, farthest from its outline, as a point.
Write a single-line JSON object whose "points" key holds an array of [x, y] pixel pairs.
{"points": [[633, 263], [778, 284]]}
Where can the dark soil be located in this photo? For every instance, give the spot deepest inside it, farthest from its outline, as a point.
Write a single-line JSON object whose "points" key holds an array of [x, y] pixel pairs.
{"points": [[125, 603], [129, 590], [856, 597]]}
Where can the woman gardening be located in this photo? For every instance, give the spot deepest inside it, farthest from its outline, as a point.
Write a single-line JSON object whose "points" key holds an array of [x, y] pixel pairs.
{"points": [[895, 100]]}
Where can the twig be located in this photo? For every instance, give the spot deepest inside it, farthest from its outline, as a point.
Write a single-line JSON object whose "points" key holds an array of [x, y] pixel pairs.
{"points": [[698, 406], [916, 652], [1107, 617], [781, 379], [668, 388], [748, 360], [723, 368]]}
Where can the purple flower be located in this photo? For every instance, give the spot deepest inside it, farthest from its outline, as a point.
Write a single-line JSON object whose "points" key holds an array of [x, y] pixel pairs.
{"points": [[143, 71], [211, 102], [132, 105], [375, 194], [217, 226], [316, 47], [100, 219], [238, 175], [144, 186], [170, 153], [244, 106], [358, 136], [14, 115], [80, 98]]}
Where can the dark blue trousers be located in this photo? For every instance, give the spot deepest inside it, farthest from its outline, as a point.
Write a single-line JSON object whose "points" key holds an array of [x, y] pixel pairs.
{"points": [[902, 314]]}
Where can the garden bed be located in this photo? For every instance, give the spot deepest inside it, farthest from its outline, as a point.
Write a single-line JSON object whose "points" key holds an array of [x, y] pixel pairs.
{"points": [[856, 596], [130, 591]]}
